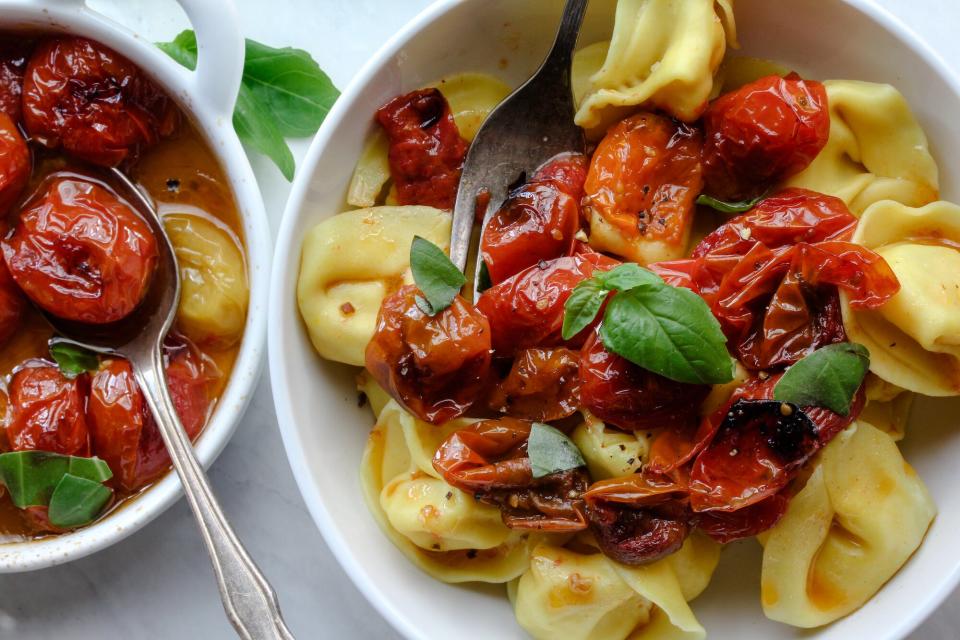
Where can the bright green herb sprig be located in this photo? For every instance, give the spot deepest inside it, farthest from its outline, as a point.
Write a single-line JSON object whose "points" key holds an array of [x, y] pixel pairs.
{"points": [[437, 277]]}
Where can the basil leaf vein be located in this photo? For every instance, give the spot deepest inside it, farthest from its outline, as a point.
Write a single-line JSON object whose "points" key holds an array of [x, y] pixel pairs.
{"points": [[829, 377], [551, 451], [436, 276]]}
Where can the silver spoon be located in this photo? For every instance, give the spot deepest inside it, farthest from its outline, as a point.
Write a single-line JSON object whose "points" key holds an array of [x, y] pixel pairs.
{"points": [[532, 125], [250, 602]]}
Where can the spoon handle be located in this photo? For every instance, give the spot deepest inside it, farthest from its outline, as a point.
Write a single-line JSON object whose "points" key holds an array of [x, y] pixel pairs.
{"points": [[250, 602]]}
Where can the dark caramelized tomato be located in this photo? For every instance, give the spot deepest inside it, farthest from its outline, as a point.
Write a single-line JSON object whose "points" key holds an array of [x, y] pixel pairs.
{"points": [[629, 397], [543, 385], [762, 133], [426, 150], [12, 304], [121, 425], [13, 61], [526, 310], [14, 163], [727, 526], [46, 411], [81, 253], [93, 102], [435, 366], [644, 178]]}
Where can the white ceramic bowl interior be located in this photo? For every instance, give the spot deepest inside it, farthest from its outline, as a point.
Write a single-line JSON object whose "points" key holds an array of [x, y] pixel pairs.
{"points": [[325, 432], [207, 96]]}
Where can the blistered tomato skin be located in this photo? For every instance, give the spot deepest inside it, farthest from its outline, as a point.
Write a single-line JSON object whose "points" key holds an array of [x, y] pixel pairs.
{"points": [[80, 253], [47, 411], [12, 305], [762, 133], [14, 163], [13, 62], [93, 102], [543, 385], [426, 151], [435, 366]]}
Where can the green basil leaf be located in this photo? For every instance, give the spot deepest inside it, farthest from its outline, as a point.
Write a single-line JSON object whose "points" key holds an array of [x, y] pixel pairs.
{"points": [[627, 276], [32, 476], [829, 377], [73, 360], [182, 48], [670, 331], [438, 279], [582, 306], [729, 207], [483, 278], [77, 501], [551, 451], [256, 128]]}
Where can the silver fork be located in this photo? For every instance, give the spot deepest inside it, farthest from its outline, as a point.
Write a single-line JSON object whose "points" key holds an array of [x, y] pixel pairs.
{"points": [[532, 125], [248, 598]]}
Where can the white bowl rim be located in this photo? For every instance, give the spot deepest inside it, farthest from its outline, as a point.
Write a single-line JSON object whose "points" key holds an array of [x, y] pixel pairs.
{"points": [[285, 247], [210, 110]]}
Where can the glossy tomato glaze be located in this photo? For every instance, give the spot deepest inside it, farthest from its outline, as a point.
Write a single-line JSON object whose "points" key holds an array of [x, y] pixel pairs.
{"points": [[183, 176]]}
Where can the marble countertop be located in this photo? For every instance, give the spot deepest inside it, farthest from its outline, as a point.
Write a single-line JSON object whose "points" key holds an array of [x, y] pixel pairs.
{"points": [[158, 583]]}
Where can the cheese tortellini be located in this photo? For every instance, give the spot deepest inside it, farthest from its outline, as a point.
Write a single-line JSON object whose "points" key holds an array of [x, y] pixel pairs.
{"points": [[860, 516], [876, 150], [663, 55], [213, 280], [914, 339], [610, 453], [350, 263]]}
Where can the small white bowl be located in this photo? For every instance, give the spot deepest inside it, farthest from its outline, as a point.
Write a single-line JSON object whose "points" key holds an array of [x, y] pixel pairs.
{"points": [[207, 96], [324, 431]]}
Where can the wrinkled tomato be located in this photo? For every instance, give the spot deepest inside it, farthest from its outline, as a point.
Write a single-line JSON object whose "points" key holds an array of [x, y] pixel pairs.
{"points": [[435, 366], [12, 305], [543, 385], [644, 178], [122, 427], [13, 62], [489, 460], [93, 102], [14, 163], [80, 252], [46, 411], [762, 133], [630, 397], [727, 526], [526, 310], [426, 151]]}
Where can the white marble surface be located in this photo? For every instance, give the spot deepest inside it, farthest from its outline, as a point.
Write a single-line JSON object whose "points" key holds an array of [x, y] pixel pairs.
{"points": [[158, 583]]}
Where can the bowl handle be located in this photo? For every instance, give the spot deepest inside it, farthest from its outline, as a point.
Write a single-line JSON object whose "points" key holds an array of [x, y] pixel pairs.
{"points": [[220, 54]]}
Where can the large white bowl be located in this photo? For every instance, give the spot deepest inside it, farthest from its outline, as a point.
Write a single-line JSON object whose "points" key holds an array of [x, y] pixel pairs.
{"points": [[207, 96], [324, 431]]}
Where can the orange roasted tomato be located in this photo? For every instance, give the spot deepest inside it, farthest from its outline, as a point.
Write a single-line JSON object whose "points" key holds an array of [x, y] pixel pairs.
{"points": [[643, 180], [543, 385], [762, 133], [727, 526], [526, 310], [435, 366], [81, 253], [14, 163], [13, 60], [122, 427], [489, 460], [92, 102], [46, 410], [12, 305], [426, 151]]}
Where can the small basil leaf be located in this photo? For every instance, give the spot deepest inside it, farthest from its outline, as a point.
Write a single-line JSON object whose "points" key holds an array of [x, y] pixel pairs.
{"points": [[256, 128], [77, 501], [483, 278], [829, 377], [183, 49], [550, 451], [32, 476], [73, 360], [582, 307], [729, 207], [627, 276], [669, 331], [438, 279]]}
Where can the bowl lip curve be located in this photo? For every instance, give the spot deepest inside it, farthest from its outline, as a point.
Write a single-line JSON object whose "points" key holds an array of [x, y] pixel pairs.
{"points": [[287, 254]]}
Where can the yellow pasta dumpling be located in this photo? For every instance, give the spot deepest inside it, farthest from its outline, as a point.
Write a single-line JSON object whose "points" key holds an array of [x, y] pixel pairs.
{"points": [[373, 392], [888, 406], [213, 280], [860, 516], [610, 453], [663, 55], [371, 173], [913, 339], [876, 150], [350, 263]]}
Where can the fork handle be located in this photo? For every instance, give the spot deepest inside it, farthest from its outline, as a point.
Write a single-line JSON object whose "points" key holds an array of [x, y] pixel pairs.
{"points": [[250, 602], [561, 55]]}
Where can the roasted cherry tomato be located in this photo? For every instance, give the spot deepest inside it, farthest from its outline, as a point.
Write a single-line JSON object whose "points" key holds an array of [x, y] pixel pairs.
{"points": [[13, 60], [569, 170], [121, 425], [93, 102], [80, 252], [46, 411], [629, 397], [543, 385], [426, 150], [12, 304], [489, 460], [727, 526], [762, 133], [435, 366], [526, 310], [643, 180], [14, 163]]}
